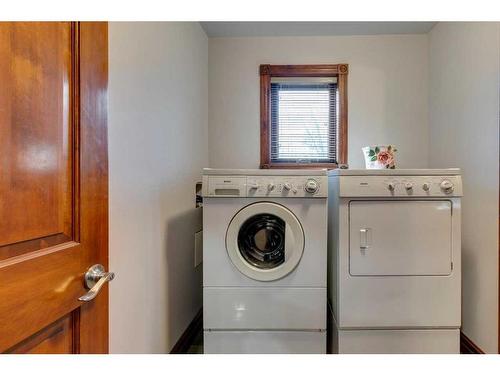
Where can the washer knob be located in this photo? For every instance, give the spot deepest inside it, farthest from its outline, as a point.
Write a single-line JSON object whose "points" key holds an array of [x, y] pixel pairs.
{"points": [[253, 185], [287, 186], [311, 186], [447, 186], [426, 186], [271, 186], [391, 186], [408, 186]]}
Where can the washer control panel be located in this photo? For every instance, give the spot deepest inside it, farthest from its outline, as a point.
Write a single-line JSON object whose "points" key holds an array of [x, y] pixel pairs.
{"points": [[287, 186], [400, 186], [266, 186]]}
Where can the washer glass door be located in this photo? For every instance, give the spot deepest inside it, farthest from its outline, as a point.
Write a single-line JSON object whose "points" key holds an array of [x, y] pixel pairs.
{"points": [[265, 241]]}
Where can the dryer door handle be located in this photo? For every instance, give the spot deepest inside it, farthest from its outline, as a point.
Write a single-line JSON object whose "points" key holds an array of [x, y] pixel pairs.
{"points": [[365, 238]]}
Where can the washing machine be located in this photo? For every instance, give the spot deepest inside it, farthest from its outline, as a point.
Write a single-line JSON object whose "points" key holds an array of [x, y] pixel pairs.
{"points": [[264, 261], [394, 261]]}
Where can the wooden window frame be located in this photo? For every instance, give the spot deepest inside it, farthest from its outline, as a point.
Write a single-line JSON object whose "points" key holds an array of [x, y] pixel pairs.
{"points": [[339, 71]]}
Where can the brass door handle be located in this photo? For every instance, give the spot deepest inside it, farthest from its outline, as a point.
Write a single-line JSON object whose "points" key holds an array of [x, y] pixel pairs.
{"points": [[95, 278]]}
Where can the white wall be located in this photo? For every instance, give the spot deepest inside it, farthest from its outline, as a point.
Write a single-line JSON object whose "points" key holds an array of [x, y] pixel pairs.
{"points": [[157, 148], [463, 111], [387, 92]]}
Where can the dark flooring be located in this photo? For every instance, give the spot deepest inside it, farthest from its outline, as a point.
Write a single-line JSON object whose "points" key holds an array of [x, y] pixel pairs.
{"points": [[197, 345]]}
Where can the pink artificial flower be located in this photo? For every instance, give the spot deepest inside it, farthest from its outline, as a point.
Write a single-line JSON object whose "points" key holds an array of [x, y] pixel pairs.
{"points": [[385, 157]]}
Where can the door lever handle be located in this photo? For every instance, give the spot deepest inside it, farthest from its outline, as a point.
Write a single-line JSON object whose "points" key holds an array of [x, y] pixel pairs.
{"points": [[95, 278]]}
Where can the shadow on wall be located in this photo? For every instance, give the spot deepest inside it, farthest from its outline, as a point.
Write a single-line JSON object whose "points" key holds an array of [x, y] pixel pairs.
{"points": [[184, 288], [470, 274]]}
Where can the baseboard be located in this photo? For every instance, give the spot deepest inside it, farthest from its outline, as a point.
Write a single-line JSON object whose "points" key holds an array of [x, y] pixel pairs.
{"points": [[467, 346], [182, 345]]}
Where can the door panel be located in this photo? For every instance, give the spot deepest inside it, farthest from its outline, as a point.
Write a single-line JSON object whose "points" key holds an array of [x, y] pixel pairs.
{"points": [[35, 136], [39, 289], [400, 238], [53, 185], [57, 338]]}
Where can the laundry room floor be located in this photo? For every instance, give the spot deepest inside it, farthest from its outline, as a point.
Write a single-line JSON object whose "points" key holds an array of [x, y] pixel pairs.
{"points": [[197, 345]]}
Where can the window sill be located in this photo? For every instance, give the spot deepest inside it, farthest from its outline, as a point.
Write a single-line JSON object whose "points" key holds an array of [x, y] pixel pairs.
{"points": [[299, 166]]}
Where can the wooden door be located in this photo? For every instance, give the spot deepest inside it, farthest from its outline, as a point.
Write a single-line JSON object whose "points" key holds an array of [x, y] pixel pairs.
{"points": [[53, 185]]}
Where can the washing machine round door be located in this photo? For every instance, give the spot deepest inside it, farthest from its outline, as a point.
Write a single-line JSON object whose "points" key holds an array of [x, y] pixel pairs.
{"points": [[265, 241]]}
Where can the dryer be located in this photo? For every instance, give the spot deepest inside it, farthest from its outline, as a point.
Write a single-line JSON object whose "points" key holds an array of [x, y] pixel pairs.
{"points": [[394, 261], [264, 261]]}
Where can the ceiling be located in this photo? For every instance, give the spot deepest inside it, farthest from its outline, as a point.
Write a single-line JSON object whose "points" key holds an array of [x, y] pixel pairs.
{"points": [[256, 29]]}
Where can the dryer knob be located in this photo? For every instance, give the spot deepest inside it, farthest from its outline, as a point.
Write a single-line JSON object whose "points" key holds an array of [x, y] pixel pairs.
{"points": [[287, 186], [271, 186], [311, 186], [447, 186]]}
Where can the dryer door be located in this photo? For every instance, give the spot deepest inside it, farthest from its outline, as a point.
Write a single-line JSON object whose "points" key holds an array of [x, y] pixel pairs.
{"points": [[265, 241], [400, 238]]}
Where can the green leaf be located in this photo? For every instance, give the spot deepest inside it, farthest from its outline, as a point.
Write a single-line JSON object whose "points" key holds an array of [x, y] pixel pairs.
{"points": [[377, 150], [373, 158], [371, 153], [389, 148]]}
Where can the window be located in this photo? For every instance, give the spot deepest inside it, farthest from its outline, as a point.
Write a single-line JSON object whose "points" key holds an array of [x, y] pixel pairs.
{"points": [[303, 116]]}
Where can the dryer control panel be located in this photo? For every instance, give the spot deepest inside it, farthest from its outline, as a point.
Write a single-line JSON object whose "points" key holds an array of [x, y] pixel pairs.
{"points": [[266, 186], [400, 186]]}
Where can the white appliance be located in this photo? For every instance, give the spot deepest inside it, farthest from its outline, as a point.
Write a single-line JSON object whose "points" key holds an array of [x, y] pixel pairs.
{"points": [[264, 261], [394, 261]]}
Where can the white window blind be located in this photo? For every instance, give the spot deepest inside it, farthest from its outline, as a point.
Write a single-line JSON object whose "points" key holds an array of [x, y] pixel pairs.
{"points": [[304, 121]]}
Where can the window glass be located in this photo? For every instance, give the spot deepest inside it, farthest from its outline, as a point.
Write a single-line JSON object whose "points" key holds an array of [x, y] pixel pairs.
{"points": [[304, 122]]}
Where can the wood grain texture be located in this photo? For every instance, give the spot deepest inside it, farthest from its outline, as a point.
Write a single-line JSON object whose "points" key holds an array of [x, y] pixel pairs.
{"points": [[57, 338], [343, 115], [266, 71], [20, 248], [38, 288], [43, 261], [35, 131], [318, 70], [265, 117], [93, 162]]}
